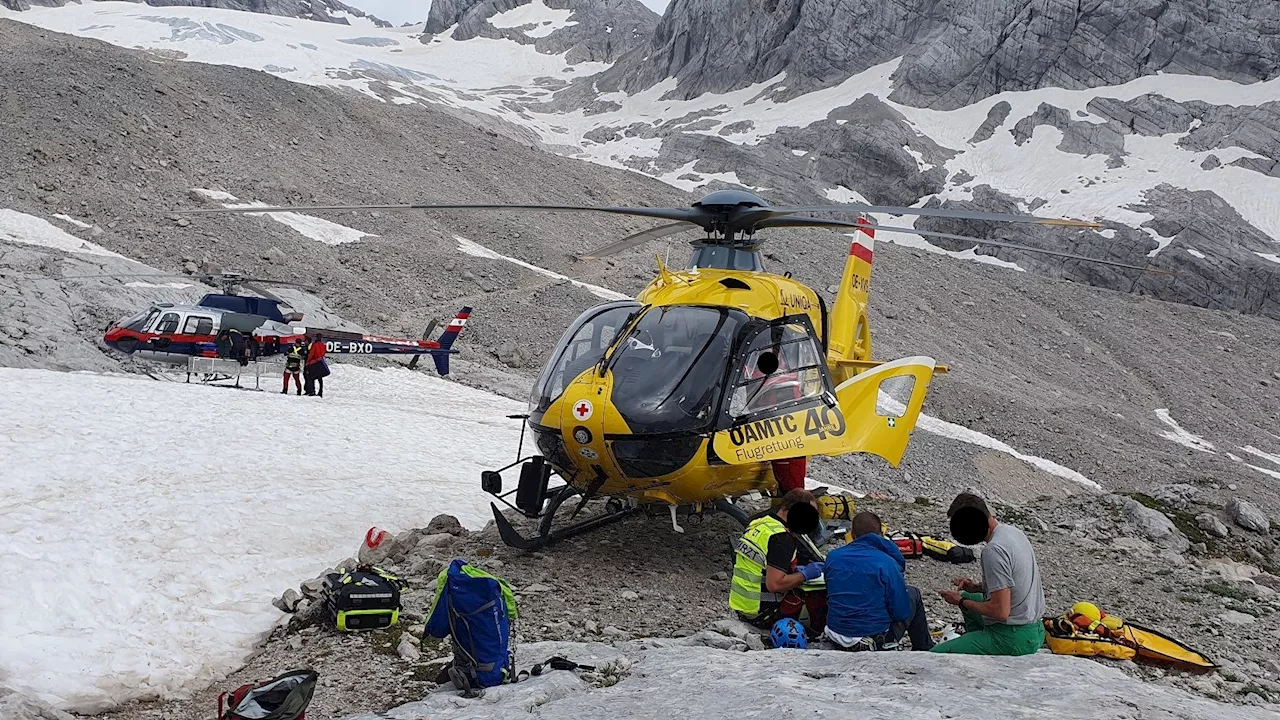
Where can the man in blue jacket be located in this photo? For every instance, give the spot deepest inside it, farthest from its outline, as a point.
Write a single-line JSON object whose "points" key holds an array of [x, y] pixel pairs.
{"points": [[870, 606]]}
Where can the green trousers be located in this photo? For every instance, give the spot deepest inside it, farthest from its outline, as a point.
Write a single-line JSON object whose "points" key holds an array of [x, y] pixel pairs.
{"points": [[982, 639]]}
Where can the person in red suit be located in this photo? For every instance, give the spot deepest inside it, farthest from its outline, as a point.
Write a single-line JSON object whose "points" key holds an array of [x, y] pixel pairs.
{"points": [[316, 367]]}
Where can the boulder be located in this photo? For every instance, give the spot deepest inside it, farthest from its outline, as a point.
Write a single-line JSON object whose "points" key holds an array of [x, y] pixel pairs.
{"points": [[1179, 495], [1210, 523], [288, 602], [1248, 516], [407, 650], [444, 524], [1155, 526]]}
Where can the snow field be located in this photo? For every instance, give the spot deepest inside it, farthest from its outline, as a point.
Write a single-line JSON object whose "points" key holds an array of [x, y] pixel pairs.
{"points": [[16, 227], [145, 527], [309, 226]]}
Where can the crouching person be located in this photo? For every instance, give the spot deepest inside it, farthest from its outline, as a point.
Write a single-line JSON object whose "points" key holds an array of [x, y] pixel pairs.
{"points": [[1003, 613], [777, 569], [870, 606]]}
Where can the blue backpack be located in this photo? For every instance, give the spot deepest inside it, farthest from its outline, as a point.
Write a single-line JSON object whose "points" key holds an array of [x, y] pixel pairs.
{"points": [[476, 611]]}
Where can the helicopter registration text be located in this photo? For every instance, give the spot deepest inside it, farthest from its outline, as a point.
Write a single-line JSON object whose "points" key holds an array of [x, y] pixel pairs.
{"points": [[784, 436]]}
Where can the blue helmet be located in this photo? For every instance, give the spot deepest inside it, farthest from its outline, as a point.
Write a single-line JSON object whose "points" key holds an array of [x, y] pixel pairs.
{"points": [[788, 633]]}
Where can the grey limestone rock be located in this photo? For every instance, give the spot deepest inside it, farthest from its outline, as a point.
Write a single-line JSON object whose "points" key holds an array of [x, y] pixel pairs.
{"points": [[600, 30], [953, 53], [1248, 516]]}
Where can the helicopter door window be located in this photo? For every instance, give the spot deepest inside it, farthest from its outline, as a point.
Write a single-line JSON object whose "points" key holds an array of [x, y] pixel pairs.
{"points": [[893, 395], [198, 325], [782, 366], [168, 324]]}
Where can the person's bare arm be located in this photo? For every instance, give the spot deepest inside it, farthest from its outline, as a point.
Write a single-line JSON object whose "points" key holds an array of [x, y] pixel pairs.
{"points": [[779, 582], [996, 607]]}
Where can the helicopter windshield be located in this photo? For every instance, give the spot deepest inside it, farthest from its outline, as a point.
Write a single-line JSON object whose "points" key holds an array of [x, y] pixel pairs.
{"points": [[582, 345], [668, 371]]}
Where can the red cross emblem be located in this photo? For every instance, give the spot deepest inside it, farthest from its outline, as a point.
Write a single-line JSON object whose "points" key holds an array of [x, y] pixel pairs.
{"points": [[582, 410]]}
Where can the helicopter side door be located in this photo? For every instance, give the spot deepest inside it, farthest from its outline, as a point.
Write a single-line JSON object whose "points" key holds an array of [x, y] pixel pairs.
{"points": [[783, 406]]}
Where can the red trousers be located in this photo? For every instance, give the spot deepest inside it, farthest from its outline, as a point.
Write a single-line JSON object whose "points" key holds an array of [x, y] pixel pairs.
{"points": [[790, 473], [297, 380]]}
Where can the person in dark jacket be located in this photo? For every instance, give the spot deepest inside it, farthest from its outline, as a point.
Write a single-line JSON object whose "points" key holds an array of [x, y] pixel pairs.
{"points": [[870, 606], [316, 368]]}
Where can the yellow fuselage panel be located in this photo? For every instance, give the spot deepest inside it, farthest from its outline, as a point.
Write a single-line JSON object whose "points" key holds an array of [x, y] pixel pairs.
{"points": [[767, 296]]}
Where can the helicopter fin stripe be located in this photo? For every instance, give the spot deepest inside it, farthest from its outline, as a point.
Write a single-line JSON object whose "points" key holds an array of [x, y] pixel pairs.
{"points": [[860, 251]]}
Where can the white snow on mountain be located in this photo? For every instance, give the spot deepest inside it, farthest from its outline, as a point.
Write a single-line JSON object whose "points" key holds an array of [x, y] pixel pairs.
{"points": [[318, 229], [683, 678], [27, 229], [152, 523], [545, 20], [1180, 435], [475, 249]]}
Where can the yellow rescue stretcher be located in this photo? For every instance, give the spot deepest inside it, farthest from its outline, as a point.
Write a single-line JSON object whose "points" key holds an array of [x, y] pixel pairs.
{"points": [[1094, 634]]}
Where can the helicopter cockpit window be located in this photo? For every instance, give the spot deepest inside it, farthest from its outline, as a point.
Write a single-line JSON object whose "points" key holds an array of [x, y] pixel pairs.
{"points": [[782, 366], [669, 370], [140, 322], [168, 324], [582, 346], [198, 325]]}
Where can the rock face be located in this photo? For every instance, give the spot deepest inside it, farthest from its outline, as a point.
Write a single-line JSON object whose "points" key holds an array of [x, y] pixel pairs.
{"points": [[594, 31], [1248, 516], [957, 52], [321, 10]]}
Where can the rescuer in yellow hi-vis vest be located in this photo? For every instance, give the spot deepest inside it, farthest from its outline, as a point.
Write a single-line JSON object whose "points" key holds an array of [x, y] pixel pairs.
{"points": [[777, 569]]}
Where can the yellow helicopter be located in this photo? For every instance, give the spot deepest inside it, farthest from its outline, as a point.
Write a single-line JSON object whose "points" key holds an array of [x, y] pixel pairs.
{"points": [[689, 395]]}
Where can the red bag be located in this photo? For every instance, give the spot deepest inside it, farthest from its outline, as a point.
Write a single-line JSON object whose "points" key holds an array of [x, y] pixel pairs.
{"points": [[283, 698]]}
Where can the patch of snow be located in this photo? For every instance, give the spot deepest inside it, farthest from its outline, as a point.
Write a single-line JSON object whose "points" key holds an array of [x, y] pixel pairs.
{"points": [[1195, 253], [946, 429], [150, 570], [842, 194], [217, 195], [799, 153], [1275, 459], [1182, 437], [1269, 256], [161, 286], [72, 221], [922, 243], [953, 431], [675, 177], [547, 19], [16, 227], [1108, 233], [924, 166], [475, 249], [1265, 471], [318, 229], [1162, 242]]}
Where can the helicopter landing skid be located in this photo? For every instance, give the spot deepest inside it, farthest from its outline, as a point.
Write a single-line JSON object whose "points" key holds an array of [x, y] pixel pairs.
{"points": [[614, 511]]}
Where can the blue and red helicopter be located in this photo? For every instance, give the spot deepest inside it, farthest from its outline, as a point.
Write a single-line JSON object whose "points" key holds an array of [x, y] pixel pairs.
{"points": [[172, 333]]}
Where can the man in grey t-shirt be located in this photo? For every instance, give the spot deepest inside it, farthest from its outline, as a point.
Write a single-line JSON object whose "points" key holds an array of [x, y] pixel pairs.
{"points": [[1003, 613]]}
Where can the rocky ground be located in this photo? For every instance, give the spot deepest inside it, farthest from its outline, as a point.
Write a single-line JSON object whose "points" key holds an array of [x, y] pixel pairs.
{"points": [[1145, 559]]}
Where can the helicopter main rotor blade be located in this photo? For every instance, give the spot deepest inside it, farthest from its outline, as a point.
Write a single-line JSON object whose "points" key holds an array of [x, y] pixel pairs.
{"points": [[822, 222], [639, 238], [268, 281], [939, 213], [1024, 248], [693, 215]]}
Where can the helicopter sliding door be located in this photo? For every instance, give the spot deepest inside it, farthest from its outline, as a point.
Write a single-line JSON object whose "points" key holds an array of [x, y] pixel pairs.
{"points": [[782, 405]]}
